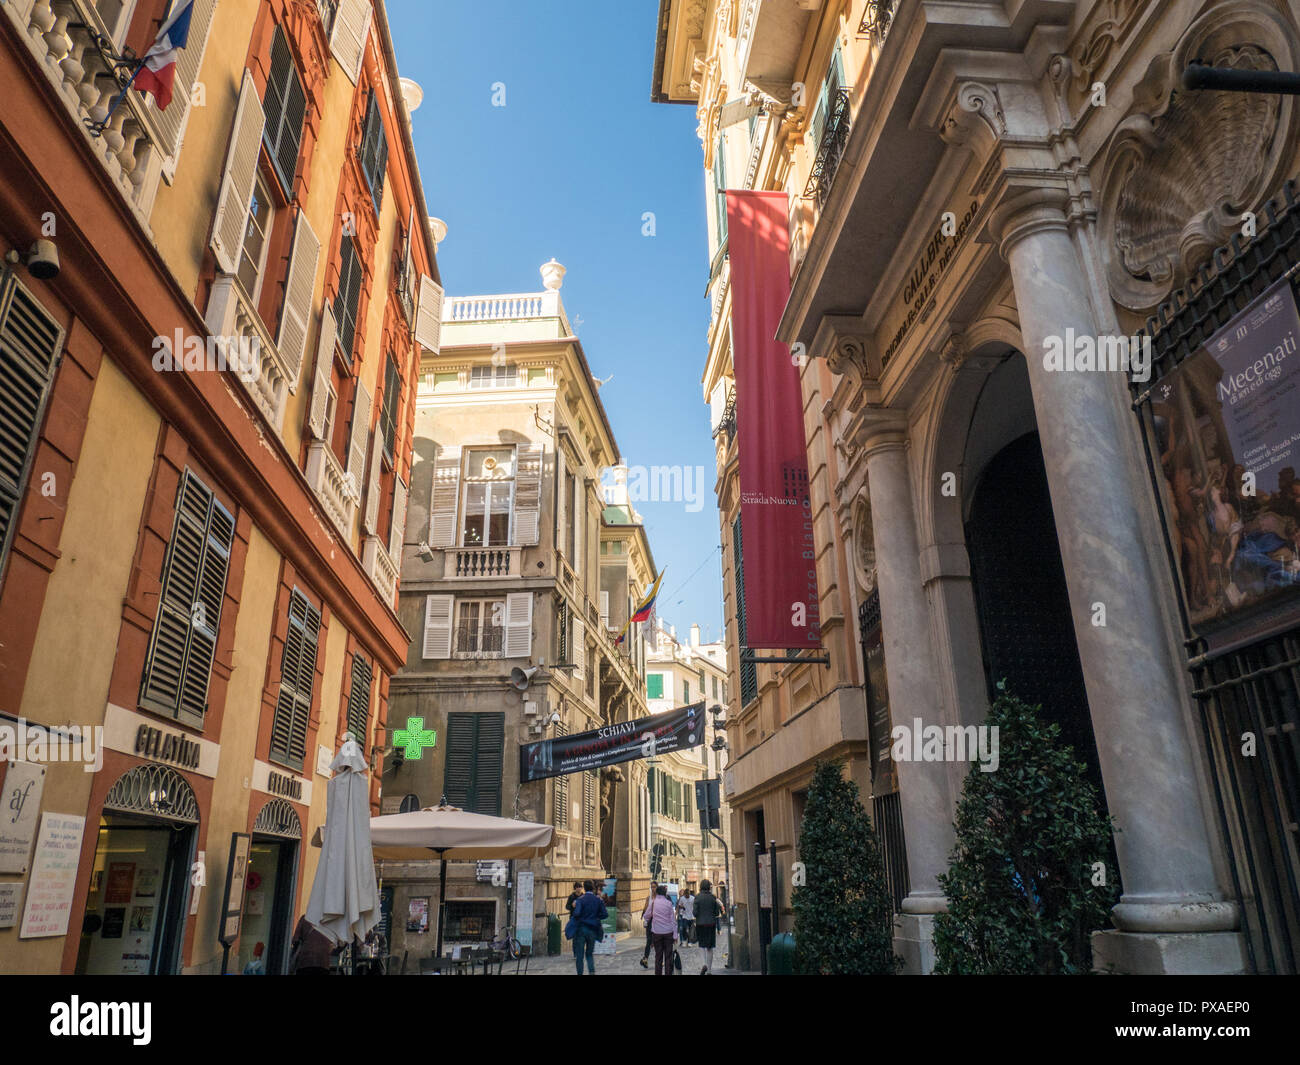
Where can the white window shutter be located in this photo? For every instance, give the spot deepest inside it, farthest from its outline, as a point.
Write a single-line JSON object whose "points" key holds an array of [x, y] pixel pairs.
{"points": [[237, 180], [370, 520], [320, 389], [437, 626], [579, 649], [397, 533], [348, 41], [172, 122], [528, 494], [519, 625], [561, 503], [408, 279], [446, 494], [604, 609], [717, 403], [428, 316], [299, 286], [360, 434], [579, 526]]}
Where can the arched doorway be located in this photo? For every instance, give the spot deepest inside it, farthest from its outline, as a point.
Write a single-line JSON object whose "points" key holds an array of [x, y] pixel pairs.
{"points": [[1026, 627]]}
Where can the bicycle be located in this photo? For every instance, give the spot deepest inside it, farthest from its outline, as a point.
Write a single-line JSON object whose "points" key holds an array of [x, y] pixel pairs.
{"points": [[503, 941]]}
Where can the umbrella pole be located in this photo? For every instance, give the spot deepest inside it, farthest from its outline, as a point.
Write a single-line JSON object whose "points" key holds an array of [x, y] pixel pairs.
{"points": [[442, 897]]}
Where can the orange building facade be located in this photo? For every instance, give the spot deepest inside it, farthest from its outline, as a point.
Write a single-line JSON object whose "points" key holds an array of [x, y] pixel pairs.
{"points": [[211, 323]]}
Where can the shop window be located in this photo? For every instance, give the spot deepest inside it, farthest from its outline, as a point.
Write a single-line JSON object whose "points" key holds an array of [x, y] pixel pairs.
{"points": [[285, 105], [470, 921], [178, 664], [297, 681], [475, 749], [30, 342]]}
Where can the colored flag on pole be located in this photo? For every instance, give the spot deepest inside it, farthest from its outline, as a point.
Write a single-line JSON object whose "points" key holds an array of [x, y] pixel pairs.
{"points": [[643, 609], [158, 71]]}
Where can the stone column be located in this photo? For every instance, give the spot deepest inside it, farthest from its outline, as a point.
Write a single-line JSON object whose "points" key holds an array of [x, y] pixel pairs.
{"points": [[924, 787], [1134, 690]]}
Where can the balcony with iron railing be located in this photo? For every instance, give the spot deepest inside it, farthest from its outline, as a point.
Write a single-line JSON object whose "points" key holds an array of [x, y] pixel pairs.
{"points": [[830, 150], [475, 641], [73, 49], [877, 18]]}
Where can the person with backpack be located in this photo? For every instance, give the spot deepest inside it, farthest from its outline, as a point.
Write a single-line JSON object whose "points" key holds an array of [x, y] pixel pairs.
{"points": [[708, 915], [588, 913], [661, 920]]}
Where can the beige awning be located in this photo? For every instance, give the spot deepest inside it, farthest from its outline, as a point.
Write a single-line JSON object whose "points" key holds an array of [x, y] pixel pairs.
{"points": [[454, 835]]}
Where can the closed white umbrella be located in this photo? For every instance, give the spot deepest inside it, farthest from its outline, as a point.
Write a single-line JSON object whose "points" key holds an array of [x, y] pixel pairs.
{"points": [[455, 835], [344, 901]]}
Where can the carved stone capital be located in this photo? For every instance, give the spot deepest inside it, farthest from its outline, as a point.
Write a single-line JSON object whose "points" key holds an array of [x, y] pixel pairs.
{"points": [[954, 350], [976, 119]]}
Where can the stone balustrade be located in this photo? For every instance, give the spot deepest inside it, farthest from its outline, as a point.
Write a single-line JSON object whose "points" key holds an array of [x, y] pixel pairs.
{"points": [[517, 307], [233, 321], [333, 487], [484, 562], [380, 567]]}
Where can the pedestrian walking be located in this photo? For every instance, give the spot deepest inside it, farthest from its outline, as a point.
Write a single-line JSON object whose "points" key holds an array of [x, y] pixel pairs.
{"points": [[310, 950], [708, 915], [588, 912], [686, 915], [658, 917], [574, 896], [649, 936]]}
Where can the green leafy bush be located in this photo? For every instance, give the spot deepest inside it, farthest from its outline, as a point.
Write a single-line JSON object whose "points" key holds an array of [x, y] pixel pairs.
{"points": [[843, 916], [1032, 874]]}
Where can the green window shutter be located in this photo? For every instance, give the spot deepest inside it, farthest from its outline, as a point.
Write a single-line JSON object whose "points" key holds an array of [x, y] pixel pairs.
{"points": [[654, 685], [686, 691], [374, 150], [285, 106], [297, 680], [388, 412], [589, 803], [359, 698], [475, 748], [30, 342], [748, 670], [348, 296], [178, 664], [560, 811], [720, 189]]}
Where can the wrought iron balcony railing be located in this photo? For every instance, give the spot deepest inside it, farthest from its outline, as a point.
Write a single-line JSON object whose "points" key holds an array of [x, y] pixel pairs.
{"points": [[877, 18], [727, 423], [831, 149]]}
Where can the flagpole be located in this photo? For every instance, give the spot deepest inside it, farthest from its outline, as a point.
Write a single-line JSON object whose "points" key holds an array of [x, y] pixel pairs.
{"points": [[97, 128]]}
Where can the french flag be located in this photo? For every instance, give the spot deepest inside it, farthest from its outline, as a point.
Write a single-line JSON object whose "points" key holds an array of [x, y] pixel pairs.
{"points": [[158, 71]]}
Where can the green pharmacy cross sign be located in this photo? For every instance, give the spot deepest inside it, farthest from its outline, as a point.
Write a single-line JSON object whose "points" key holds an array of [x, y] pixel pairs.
{"points": [[414, 737]]}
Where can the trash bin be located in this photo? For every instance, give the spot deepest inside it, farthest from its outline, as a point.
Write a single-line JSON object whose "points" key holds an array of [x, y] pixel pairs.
{"points": [[554, 933], [780, 955]]}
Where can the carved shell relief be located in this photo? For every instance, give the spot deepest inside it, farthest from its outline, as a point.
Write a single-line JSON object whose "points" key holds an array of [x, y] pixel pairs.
{"points": [[1181, 175], [864, 545]]}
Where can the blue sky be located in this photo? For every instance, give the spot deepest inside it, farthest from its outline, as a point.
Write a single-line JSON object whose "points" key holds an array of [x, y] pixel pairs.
{"points": [[567, 168]]}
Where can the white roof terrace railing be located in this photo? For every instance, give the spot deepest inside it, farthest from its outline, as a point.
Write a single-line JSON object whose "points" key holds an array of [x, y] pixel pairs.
{"points": [[515, 307]]}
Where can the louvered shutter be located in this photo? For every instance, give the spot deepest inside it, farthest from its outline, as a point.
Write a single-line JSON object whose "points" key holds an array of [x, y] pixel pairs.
{"points": [[604, 609], [579, 528], [408, 263], [360, 434], [560, 795], [528, 494], [348, 295], [588, 804], [579, 649], [397, 528], [238, 179], [561, 504], [172, 122], [446, 492], [320, 389], [299, 286], [30, 342], [297, 681], [348, 41], [519, 625], [489, 751], [374, 485], [437, 626], [359, 698], [462, 752], [178, 664], [428, 315], [285, 106]]}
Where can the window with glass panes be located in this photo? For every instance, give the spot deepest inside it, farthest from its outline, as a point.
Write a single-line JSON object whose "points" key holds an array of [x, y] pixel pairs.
{"points": [[504, 376], [480, 626], [488, 497], [252, 254]]}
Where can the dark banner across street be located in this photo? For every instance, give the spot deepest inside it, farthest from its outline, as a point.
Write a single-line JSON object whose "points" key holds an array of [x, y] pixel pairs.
{"points": [[673, 730], [1227, 426]]}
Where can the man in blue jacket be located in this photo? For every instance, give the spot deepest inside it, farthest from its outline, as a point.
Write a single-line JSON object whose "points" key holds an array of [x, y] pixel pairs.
{"points": [[588, 912]]}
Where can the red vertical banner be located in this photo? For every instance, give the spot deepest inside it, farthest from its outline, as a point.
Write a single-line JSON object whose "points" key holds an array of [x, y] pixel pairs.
{"points": [[781, 603]]}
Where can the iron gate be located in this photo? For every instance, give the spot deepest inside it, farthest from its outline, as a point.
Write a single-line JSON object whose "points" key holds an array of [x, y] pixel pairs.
{"points": [[1247, 686]]}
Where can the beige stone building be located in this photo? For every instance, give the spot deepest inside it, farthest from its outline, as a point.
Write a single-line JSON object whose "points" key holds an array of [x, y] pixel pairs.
{"points": [[678, 673], [515, 562], [970, 187]]}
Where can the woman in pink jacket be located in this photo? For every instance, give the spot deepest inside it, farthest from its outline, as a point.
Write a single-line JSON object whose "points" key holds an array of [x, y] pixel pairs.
{"points": [[662, 922]]}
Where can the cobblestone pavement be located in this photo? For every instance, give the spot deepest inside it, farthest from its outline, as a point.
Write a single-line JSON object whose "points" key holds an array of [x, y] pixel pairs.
{"points": [[626, 960]]}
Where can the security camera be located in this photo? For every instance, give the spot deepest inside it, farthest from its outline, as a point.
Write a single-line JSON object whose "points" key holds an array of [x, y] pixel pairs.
{"points": [[555, 719], [43, 260], [425, 551]]}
